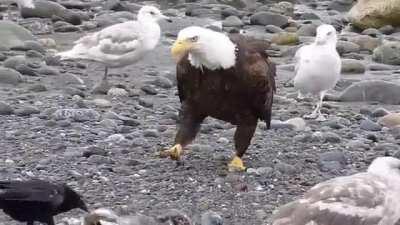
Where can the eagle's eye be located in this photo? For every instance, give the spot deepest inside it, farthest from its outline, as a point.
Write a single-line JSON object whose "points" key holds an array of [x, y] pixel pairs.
{"points": [[194, 39]]}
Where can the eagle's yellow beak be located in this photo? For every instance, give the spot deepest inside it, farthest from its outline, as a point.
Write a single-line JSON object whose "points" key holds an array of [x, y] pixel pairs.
{"points": [[180, 48]]}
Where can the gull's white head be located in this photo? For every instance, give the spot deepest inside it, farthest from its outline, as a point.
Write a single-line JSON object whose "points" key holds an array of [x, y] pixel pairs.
{"points": [[385, 166], [204, 47], [26, 3], [151, 13], [326, 34]]}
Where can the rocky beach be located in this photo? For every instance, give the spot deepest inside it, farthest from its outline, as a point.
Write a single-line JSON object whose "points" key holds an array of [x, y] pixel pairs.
{"points": [[105, 142]]}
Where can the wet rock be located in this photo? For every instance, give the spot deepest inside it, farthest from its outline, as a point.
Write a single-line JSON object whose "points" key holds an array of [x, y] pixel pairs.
{"points": [[372, 90], [163, 82], [388, 53], [388, 29], [331, 137], [285, 38], [117, 92], [146, 103], [375, 14], [77, 115], [298, 123], [267, 18], [352, 66], [283, 8], [27, 111], [332, 161], [108, 19], [273, 29], [102, 103], [5, 109], [390, 120], [149, 90], [380, 67], [347, 47], [357, 145], [379, 112], [262, 171], [30, 45], [38, 88], [307, 30], [49, 9], [48, 71], [12, 35], [340, 5], [61, 26], [10, 76], [285, 168], [26, 70], [370, 125], [371, 32], [211, 218], [232, 21], [365, 42]]}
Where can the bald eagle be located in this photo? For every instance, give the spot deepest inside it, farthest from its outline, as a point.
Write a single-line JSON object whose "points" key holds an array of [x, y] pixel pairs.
{"points": [[229, 78]]}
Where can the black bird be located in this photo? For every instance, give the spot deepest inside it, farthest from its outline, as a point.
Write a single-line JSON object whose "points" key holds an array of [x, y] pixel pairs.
{"points": [[37, 200]]}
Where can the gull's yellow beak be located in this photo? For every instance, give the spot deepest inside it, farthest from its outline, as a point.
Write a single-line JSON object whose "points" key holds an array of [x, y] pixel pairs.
{"points": [[180, 48]]}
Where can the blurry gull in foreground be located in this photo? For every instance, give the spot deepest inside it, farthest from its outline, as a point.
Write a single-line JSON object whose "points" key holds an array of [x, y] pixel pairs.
{"points": [[369, 198], [318, 67], [121, 44]]}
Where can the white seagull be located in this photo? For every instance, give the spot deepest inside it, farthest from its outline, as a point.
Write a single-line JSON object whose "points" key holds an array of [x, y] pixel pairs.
{"points": [[318, 67], [121, 44], [369, 198]]}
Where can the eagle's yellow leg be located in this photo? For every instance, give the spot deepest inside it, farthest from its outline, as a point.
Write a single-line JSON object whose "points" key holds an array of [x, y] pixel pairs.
{"points": [[236, 164], [175, 152]]}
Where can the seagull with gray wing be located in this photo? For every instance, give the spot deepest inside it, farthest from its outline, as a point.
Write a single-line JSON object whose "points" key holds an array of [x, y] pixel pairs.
{"points": [[369, 198], [121, 44]]}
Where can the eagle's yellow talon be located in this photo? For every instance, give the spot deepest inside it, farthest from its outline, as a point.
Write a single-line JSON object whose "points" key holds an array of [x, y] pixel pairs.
{"points": [[236, 165], [174, 153]]}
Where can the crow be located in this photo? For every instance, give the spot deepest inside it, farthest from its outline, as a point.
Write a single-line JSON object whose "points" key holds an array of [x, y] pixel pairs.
{"points": [[37, 200]]}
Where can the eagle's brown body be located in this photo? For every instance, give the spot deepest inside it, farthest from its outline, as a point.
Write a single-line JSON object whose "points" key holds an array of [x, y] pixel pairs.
{"points": [[241, 95]]}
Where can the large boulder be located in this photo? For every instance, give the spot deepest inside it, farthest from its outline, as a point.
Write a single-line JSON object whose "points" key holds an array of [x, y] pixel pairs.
{"points": [[375, 13], [13, 35], [388, 53], [372, 90], [49, 9]]}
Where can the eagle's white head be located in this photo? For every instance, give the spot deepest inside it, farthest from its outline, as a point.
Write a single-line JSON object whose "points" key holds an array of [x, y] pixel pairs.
{"points": [[205, 48]]}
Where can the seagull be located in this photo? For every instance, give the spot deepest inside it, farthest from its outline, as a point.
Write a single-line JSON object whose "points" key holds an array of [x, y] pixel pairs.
{"points": [[318, 67], [368, 198], [121, 44]]}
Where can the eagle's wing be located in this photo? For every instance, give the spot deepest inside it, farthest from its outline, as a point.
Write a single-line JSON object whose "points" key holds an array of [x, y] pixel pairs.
{"points": [[356, 200], [260, 73], [30, 191]]}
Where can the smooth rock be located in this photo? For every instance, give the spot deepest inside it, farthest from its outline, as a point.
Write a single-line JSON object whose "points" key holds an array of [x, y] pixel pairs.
{"points": [[27, 111], [379, 112], [352, 66], [267, 18], [365, 42], [307, 30], [388, 53], [369, 125], [298, 123], [211, 218], [5, 109], [372, 90], [10, 76], [285, 38], [12, 35], [375, 14], [331, 137], [232, 21], [390, 120], [347, 47]]}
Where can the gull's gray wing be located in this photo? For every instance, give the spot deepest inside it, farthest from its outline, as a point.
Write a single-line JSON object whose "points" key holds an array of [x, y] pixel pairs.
{"points": [[357, 200]]}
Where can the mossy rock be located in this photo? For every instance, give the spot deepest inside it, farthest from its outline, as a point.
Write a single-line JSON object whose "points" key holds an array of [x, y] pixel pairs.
{"points": [[375, 13], [285, 38]]}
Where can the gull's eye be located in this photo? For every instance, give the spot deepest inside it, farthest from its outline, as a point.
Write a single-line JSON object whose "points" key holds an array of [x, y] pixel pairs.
{"points": [[194, 39], [152, 13], [329, 33]]}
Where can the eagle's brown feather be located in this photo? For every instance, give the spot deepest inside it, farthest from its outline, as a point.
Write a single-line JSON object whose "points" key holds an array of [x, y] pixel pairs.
{"points": [[240, 95]]}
